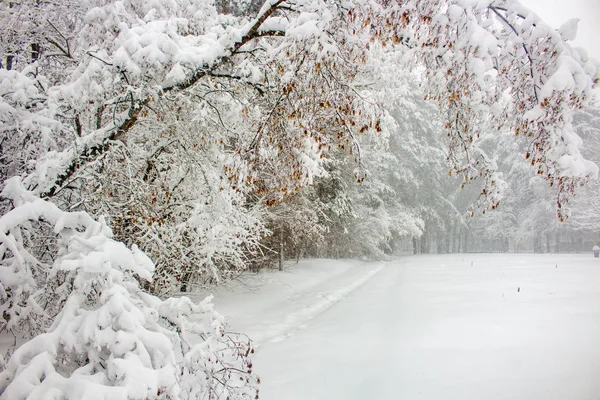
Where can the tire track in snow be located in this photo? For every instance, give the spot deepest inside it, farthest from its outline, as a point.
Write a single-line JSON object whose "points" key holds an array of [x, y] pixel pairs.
{"points": [[298, 319]]}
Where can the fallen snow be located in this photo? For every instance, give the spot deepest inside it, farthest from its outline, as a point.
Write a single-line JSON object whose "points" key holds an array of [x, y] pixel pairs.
{"points": [[271, 306], [465, 327]]}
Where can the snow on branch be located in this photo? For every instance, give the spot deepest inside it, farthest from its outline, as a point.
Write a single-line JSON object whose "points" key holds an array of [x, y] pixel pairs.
{"points": [[490, 65], [495, 65], [106, 339], [186, 58]]}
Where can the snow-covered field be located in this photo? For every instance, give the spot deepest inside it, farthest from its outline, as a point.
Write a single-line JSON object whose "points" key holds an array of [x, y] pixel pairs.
{"points": [[468, 327]]}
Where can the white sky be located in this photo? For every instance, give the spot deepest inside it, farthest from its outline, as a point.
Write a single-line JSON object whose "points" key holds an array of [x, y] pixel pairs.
{"points": [[555, 12]]}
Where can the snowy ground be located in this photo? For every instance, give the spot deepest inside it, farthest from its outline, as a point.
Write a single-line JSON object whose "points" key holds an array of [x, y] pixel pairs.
{"points": [[466, 327]]}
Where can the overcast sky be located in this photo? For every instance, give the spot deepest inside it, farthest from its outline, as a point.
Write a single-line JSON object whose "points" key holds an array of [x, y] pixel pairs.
{"points": [[555, 12]]}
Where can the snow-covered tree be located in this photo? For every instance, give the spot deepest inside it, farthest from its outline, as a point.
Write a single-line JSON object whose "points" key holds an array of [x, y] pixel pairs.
{"points": [[104, 337], [489, 66]]}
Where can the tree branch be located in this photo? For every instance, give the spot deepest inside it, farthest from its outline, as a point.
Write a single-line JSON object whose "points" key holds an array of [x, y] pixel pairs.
{"points": [[119, 130], [495, 11]]}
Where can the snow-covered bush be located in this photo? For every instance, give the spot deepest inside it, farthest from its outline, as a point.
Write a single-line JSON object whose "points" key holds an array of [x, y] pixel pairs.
{"points": [[108, 339]]}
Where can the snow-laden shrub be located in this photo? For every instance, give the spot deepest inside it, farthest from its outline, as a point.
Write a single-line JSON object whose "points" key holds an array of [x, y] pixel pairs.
{"points": [[108, 339]]}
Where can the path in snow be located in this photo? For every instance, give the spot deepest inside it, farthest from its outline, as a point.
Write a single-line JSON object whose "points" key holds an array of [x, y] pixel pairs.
{"points": [[271, 306], [466, 327]]}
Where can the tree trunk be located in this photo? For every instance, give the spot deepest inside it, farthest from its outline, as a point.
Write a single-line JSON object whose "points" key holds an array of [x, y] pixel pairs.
{"points": [[425, 240], [447, 244], [281, 250], [451, 238], [99, 112], [185, 280], [35, 52]]}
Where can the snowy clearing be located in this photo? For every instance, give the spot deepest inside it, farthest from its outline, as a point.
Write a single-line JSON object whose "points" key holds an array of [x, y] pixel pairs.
{"points": [[502, 326]]}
